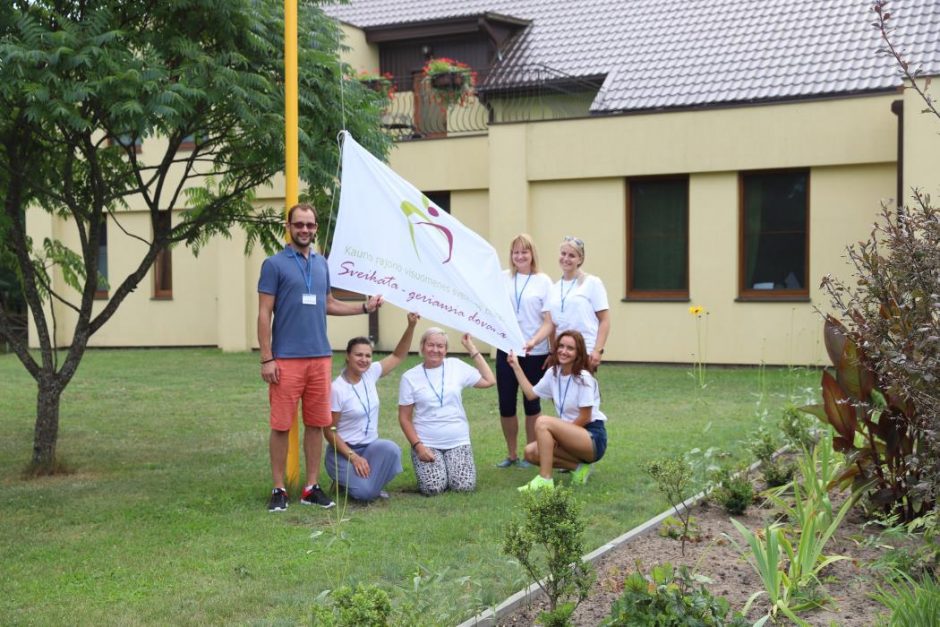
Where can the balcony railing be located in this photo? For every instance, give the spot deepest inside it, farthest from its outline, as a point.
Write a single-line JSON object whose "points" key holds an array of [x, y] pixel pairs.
{"points": [[524, 94]]}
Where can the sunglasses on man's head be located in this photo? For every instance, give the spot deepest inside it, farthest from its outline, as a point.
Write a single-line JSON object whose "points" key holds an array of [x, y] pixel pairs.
{"points": [[299, 225]]}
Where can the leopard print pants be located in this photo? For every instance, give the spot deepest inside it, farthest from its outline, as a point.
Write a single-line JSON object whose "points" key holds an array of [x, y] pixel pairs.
{"points": [[452, 469]]}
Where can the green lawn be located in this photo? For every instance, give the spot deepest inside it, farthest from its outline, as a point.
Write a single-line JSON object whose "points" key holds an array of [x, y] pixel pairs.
{"points": [[163, 519]]}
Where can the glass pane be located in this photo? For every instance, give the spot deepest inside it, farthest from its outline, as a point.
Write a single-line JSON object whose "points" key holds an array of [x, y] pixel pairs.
{"points": [[775, 210], [658, 235]]}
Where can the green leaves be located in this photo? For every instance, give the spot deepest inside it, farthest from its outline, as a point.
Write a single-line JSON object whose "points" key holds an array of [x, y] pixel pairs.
{"points": [[548, 543], [669, 598]]}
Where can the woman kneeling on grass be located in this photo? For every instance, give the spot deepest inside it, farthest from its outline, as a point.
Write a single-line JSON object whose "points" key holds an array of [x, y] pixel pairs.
{"points": [[356, 458], [432, 416], [578, 437]]}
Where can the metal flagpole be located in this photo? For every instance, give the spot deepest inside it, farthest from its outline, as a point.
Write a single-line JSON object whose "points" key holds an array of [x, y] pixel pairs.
{"points": [[291, 193]]}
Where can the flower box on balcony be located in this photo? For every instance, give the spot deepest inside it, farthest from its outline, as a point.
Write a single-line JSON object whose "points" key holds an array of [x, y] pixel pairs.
{"points": [[452, 82]]}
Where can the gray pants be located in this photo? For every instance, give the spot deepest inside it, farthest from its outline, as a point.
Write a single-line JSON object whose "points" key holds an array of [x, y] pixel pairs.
{"points": [[452, 469], [384, 459]]}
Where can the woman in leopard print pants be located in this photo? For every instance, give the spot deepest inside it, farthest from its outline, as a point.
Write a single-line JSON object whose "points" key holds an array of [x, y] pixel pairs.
{"points": [[432, 417]]}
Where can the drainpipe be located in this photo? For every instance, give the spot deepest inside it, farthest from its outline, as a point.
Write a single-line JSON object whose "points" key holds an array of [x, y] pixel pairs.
{"points": [[897, 108]]}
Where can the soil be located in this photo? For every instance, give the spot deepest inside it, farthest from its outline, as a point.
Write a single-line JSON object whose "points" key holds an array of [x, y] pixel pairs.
{"points": [[848, 583]]}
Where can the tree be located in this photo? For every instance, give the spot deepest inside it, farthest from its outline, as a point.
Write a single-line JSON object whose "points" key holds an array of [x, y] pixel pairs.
{"points": [[81, 83]]}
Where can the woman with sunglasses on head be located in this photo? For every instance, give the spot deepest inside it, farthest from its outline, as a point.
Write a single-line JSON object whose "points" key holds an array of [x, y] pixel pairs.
{"points": [[528, 290], [356, 458], [432, 417], [578, 301], [577, 438]]}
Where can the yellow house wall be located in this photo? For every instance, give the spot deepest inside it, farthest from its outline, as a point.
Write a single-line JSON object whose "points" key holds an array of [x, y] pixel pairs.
{"points": [[921, 145], [832, 132], [357, 52], [443, 164]]}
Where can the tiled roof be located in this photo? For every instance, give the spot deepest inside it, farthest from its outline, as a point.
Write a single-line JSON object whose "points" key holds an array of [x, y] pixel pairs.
{"points": [[682, 53]]}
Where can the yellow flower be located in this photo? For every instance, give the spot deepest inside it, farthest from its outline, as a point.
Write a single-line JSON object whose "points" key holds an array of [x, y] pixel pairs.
{"points": [[696, 310]]}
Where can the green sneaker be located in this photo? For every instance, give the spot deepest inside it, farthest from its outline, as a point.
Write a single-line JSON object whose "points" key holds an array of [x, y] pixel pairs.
{"points": [[538, 483], [579, 475]]}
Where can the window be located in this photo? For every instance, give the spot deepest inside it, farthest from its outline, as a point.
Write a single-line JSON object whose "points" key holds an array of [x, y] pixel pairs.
{"points": [[188, 142], [658, 238], [774, 242], [163, 264], [102, 291], [441, 199]]}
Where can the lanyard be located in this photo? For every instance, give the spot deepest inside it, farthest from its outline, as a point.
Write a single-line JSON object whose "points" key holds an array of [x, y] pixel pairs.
{"points": [[561, 290], [440, 396], [561, 410], [367, 406], [307, 271], [518, 291]]}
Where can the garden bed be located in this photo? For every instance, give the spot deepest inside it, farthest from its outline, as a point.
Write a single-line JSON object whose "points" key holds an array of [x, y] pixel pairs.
{"points": [[848, 582]]}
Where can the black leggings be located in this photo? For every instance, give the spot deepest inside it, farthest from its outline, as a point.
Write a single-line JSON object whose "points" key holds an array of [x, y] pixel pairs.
{"points": [[508, 386]]}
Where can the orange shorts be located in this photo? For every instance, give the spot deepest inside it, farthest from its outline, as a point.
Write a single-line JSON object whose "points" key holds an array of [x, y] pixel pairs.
{"points": [[306, 380]]}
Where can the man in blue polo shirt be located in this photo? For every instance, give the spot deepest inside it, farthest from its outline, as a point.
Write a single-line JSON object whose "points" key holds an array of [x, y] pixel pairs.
{"points": [[296, 358]]}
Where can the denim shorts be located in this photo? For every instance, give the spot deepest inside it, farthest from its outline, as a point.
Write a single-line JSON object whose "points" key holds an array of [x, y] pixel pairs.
{"points": [[598, 432]]}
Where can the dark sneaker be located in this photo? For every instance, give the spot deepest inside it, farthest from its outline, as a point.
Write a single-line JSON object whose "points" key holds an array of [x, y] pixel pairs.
{"points": [[278, 502], [313, 495], [507, 463]]}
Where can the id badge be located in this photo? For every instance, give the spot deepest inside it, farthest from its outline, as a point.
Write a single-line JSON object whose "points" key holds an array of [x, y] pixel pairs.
{"points": [[310, 299]]}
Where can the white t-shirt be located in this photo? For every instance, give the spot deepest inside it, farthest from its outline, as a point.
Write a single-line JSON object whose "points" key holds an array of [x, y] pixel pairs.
{"points": [[528, 293], [570, 394], [358, 407], [439, 417], [575, 307]]}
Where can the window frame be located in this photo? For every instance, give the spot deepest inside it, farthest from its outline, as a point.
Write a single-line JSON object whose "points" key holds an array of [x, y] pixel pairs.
{"points": [[789, 295], [681, 295]]}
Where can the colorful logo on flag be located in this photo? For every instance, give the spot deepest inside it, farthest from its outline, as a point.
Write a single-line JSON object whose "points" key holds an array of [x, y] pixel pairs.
{"points": [[426, 218]]}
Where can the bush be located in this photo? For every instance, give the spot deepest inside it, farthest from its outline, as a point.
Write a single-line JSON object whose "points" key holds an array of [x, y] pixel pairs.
{"points": [[551, 521], [886, 385], [878, 431], [797, 428], [674, 528], [777, 473], [366, 606], [673, 477], [667, 598], [734, 493]]}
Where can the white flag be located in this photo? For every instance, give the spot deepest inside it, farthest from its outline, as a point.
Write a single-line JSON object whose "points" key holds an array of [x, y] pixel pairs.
{"points": [[391, 240]]}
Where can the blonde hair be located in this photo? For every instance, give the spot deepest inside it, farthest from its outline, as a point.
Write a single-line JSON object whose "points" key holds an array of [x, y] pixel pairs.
{"points": [[526, 240], [576, 244], [428, 333]]}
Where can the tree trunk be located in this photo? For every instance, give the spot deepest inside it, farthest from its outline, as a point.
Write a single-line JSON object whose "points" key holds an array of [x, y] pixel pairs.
{"points": [[47, 425]]}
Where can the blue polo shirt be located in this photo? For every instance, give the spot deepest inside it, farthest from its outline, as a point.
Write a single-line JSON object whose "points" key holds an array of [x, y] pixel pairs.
{"points": [[299, 330]]}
